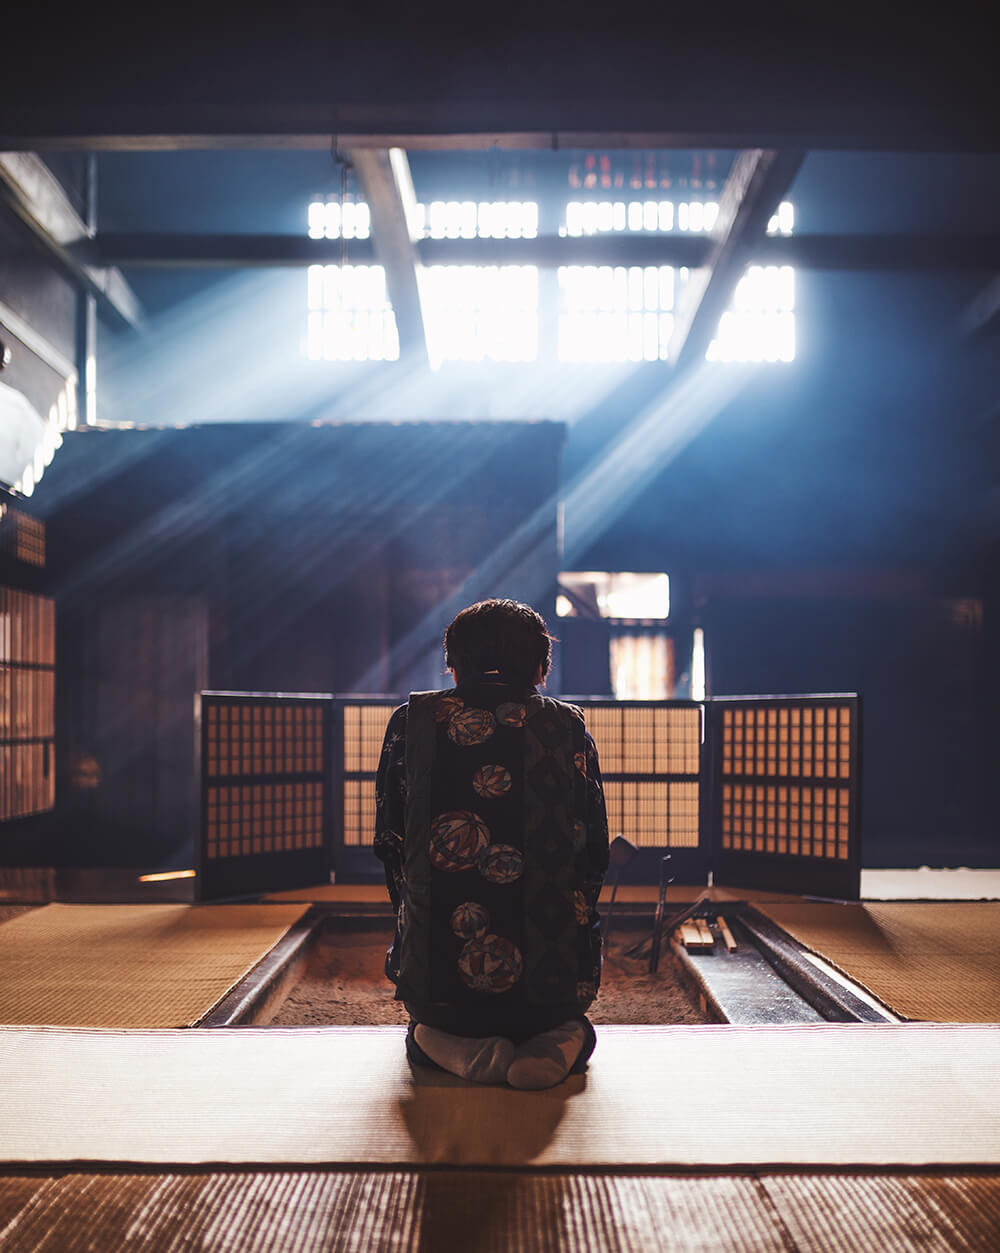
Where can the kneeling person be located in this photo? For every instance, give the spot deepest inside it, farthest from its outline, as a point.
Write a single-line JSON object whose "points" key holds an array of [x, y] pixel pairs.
{"points": [[492, 828]]}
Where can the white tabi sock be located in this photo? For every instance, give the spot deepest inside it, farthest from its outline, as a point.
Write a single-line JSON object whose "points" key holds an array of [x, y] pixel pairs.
{"points": [[483, 1060], [546, 1059]]}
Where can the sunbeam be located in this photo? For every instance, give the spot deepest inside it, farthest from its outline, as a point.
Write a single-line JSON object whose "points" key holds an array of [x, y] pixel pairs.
{"points": [[598, 495]]}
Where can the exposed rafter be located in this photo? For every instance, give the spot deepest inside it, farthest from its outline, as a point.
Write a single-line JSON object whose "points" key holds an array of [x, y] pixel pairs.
{"points": [[33, 193], [808, 252], [295, 250], [36, 343], [756, 185], [431, 140], [384, 176]]}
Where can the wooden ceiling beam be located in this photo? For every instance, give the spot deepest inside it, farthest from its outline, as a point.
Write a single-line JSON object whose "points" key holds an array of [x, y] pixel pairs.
{"points": [[874, 253], [415, 141], [34, 195], [384, 177], [756, 185]]}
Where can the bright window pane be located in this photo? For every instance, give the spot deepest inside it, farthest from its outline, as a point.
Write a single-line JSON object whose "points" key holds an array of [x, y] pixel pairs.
{"points": [[350, 318], [477, 313], [611, 313]]}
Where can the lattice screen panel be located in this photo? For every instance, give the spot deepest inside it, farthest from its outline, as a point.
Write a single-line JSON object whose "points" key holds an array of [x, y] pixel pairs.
{"points": [[266, 790], [21, 536], [251, 744], [363, 729], [650, 755], [643, 812], [786, 778], [27, 704], [264, 818]]}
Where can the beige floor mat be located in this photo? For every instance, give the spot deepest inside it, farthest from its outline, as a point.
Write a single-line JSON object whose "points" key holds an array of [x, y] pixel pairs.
{"points": [[926, 960], [130, 965], [654, 1096]]}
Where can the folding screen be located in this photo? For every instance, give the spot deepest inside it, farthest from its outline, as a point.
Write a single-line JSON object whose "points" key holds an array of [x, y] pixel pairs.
{"points": [[650, 755], [765, 794], [359, 729], [785, 794], [266, 792]]}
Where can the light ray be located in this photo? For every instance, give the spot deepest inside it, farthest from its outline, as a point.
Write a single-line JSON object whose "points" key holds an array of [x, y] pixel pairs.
{"points": [[519, 566]]}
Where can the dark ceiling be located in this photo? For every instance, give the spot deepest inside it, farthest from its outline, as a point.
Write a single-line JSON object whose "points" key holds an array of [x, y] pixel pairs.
{"points": [[854, 75]]}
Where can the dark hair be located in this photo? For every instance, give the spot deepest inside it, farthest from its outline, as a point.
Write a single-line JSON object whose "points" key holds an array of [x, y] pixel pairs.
{"points": [[501, 635]]}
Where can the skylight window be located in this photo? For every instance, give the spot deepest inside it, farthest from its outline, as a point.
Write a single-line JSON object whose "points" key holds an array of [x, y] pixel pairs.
{"points": [[441, 219], [491, 313], [760, 324], [333, 220], [782, 222], [487, 219], [350, 318], [610, 314], [480, 312], [615, 313], [596, 217]]}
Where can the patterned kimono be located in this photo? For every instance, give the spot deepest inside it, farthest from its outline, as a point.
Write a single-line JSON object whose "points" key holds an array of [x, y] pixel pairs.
{"points": [[492, 828]]}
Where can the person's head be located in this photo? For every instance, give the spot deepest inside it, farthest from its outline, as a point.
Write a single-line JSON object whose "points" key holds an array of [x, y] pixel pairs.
{"points": [[501, 635]]}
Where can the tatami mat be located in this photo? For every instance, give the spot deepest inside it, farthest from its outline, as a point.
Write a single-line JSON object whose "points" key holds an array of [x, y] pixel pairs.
{"points": [[283, 1211], [929, 961], [663, 1096], [131, 965]]}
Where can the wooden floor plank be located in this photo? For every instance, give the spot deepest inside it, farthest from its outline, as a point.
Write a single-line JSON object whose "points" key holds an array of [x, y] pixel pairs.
{"points": [[888, 1213], [706, 1212], [272, 1211], [521, 1213], [315, 1211], [16, 1193]]}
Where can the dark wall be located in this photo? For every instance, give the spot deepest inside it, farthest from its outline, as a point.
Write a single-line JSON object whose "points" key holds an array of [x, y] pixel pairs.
{"points": [[264, 558], [128, 667], [918, 663], [856, 489]]}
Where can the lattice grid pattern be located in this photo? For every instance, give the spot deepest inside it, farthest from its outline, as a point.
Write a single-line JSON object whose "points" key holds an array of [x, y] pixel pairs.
{"points": [[21, 536], [364, 730], [646, 739], [244, 819], [763, 750], [650, 758], [265, 764], [653, 815], [249, 738], [27, 704]]}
